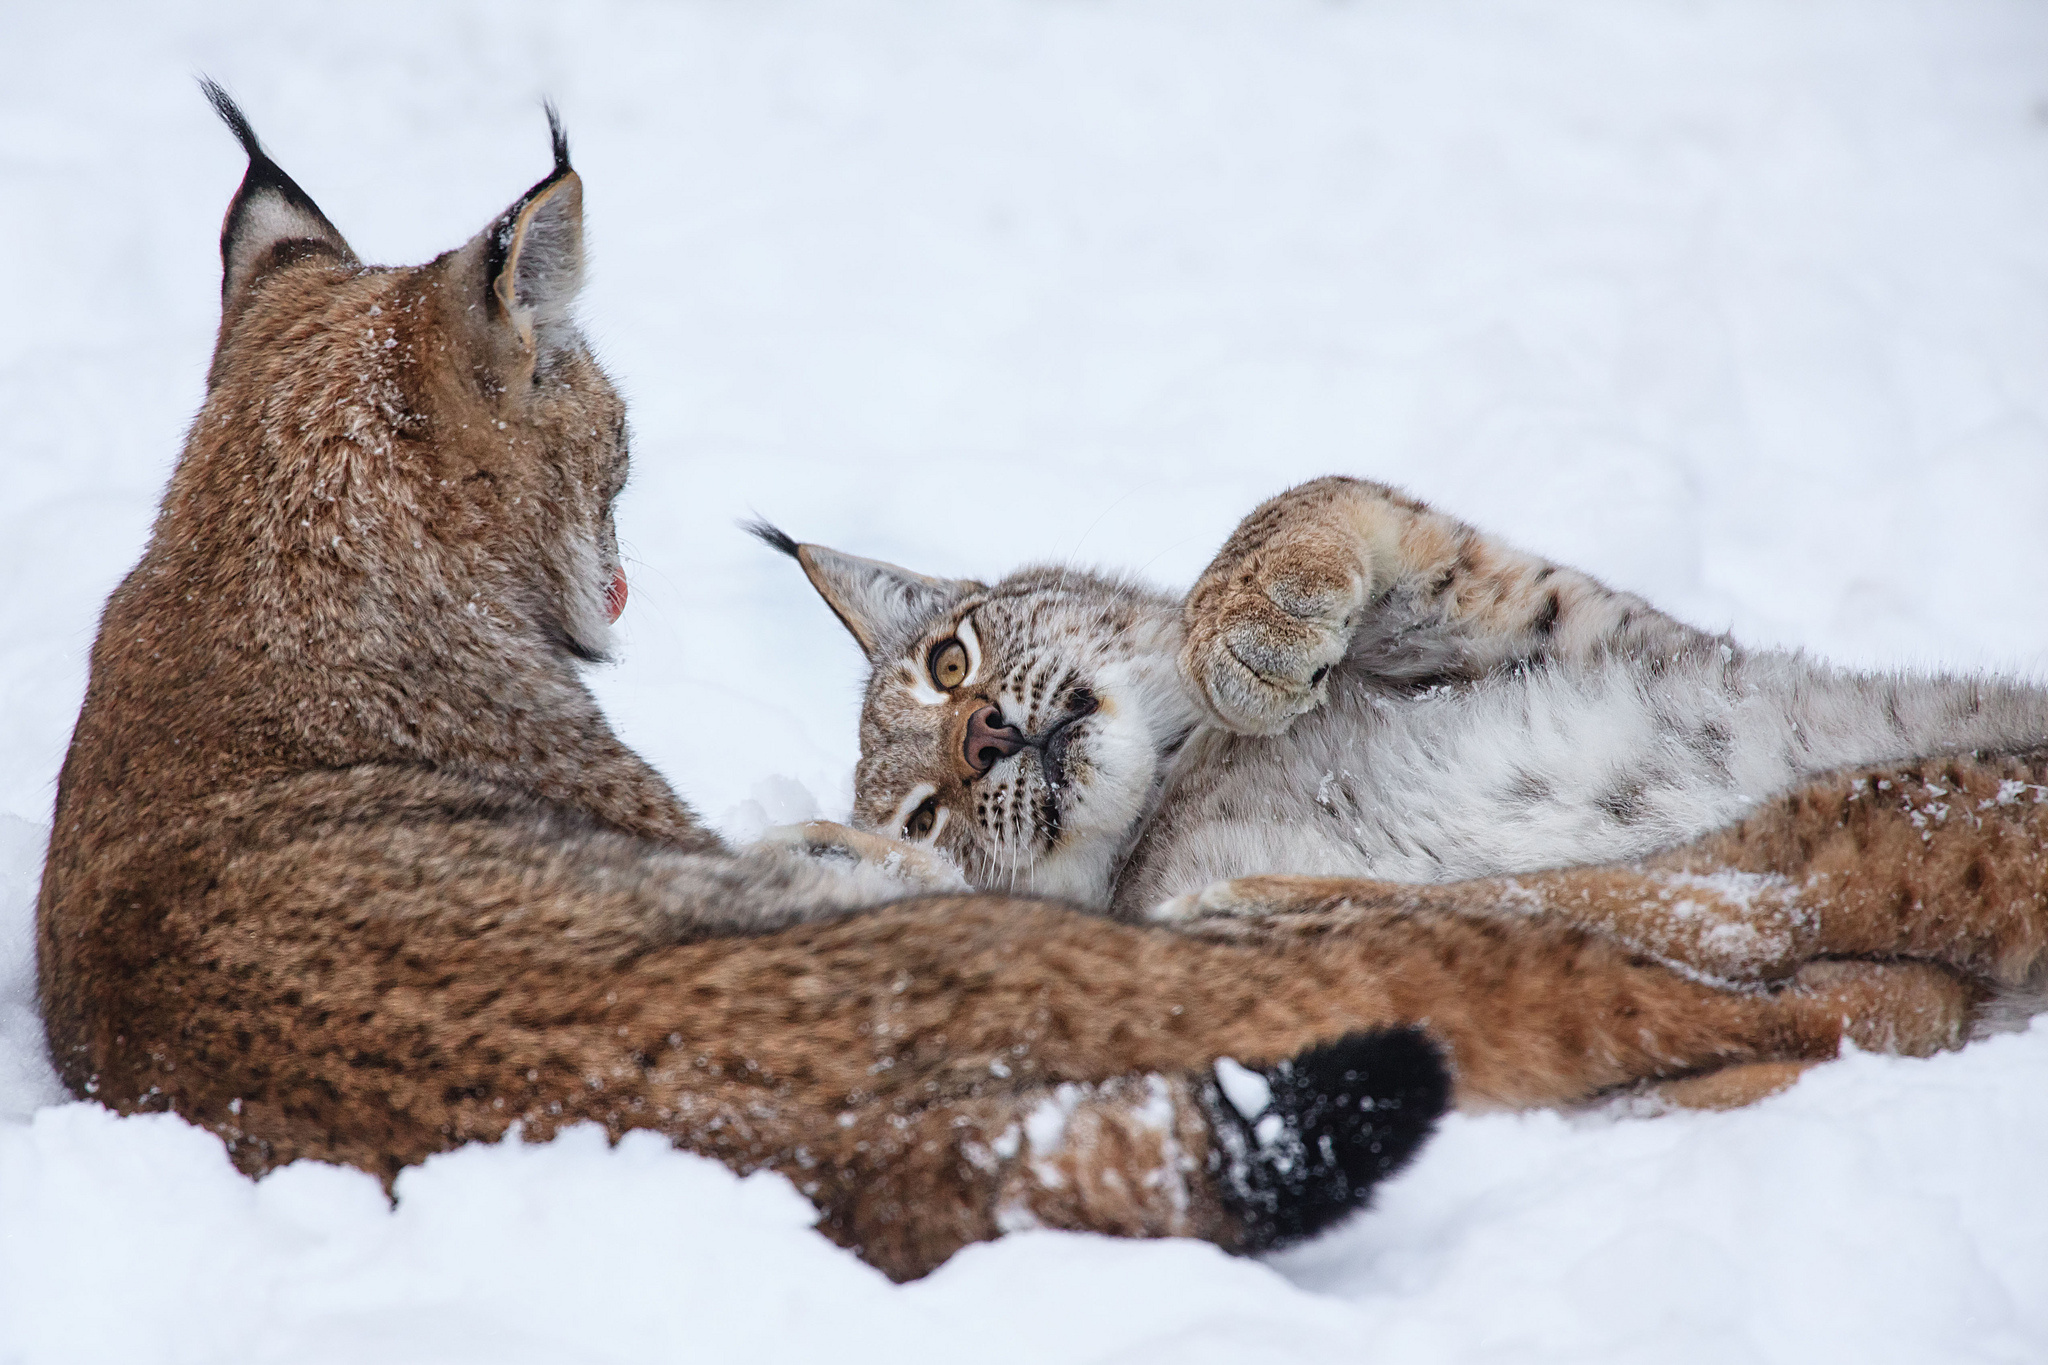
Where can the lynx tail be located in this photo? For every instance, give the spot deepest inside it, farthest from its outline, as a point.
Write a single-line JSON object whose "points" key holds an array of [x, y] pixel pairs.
{"points": [[1303, 1143]]}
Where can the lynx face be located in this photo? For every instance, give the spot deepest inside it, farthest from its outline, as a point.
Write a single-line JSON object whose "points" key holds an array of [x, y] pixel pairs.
{"points": [[1020, 729]]}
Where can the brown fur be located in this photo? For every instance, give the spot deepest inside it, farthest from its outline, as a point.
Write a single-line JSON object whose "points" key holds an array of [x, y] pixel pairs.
{"points": [[347, 865], [1944, 861], [1279, 603]]}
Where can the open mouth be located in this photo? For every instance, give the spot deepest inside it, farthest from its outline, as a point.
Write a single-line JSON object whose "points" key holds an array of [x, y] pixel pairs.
{"points": [[615, 596]]}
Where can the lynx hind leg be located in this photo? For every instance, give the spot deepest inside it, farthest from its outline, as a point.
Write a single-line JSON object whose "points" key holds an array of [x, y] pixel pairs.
{"points": [[1731, 927], [1914, 1009], [1249, 1159], [1944, 860]]}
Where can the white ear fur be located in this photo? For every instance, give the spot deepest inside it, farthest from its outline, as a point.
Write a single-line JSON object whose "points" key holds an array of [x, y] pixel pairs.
{"points": [[879, 603], [271, 221], [543, 264], [266, 221]]}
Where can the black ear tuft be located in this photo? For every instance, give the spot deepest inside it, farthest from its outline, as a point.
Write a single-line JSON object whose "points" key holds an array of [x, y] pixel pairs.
{"points": [[878, 603], [271, 221], [232, 115], [558, 136], [1324, 1129], [773, 537]]}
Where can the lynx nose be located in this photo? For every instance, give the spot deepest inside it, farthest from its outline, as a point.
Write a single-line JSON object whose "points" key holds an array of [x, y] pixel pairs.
{"points": [[989, 740]]}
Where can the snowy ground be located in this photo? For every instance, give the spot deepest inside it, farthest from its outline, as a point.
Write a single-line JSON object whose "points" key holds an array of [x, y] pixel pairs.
{"points": [[1741, 304]]}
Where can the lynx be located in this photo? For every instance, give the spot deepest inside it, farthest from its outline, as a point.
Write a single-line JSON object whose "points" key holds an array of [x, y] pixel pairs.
{"points": [[1364, 706], [346, 863]]}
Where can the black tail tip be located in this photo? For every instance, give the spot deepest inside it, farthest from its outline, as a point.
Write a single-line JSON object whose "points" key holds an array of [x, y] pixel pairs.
{"points": [[1324, 1129], [772, 536]]}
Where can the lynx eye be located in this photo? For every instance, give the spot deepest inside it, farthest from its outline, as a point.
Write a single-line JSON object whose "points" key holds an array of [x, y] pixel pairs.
{"points": [[948, 664], [922, 819]]}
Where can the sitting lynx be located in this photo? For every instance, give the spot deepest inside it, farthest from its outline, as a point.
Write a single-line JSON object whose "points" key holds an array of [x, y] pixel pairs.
{"points": [[1361, 688]]}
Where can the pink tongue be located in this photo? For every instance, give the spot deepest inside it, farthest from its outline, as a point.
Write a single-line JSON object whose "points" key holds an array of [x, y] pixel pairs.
{"points": [[615, 595]]}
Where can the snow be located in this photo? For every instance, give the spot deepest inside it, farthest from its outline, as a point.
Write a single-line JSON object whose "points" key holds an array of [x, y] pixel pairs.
{"points": [[1742, 305]]}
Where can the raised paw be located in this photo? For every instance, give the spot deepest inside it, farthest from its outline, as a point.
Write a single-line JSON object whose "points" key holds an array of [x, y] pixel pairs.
{"points": [[1263, 634]]}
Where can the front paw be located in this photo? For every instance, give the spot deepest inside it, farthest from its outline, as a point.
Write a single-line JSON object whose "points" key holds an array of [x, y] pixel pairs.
{"points": [[1262, 638], [917, 866], [1237, 897]]}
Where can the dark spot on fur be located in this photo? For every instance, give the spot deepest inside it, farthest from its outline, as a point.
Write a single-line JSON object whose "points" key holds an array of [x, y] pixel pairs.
{"points": [[1529, 789], [1623, 802], [1546, 619], [1714, 742]]}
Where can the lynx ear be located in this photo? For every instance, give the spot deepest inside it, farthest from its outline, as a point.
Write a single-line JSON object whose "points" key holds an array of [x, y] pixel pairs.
{"points": [[271, 223], [880, 603], [533, 254]]}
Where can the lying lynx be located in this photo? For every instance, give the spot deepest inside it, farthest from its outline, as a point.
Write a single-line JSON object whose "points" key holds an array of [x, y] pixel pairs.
{"points": [[1361, 688]]}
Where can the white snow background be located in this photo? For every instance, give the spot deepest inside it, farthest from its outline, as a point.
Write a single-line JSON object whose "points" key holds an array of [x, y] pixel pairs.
{"points": [[1742, 305]]}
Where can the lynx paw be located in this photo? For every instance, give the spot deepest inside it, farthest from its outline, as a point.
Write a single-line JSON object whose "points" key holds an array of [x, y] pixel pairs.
{"points": [[1912, 1008], [1261, 639], [916, 866], [1237, 897]]}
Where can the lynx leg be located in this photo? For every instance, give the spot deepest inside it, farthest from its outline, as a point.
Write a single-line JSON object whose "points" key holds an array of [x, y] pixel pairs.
{"points": [[1944, 860], [1341, 564], [1914, 1009], [1909, 1008], [1728, 925], [1536, 1012]]}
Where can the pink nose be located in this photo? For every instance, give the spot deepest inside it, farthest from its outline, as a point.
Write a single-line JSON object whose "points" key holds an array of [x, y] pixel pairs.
{"points": [[615, 595], [989, 740]]}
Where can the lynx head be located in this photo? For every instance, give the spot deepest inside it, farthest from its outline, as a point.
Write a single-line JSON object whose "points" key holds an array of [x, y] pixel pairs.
{"points": [[424, 443], [1022, 729]]}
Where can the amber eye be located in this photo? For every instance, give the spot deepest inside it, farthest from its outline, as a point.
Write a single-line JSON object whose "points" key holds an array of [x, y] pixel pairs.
{"points": [[922, 819], [948, 664]]}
